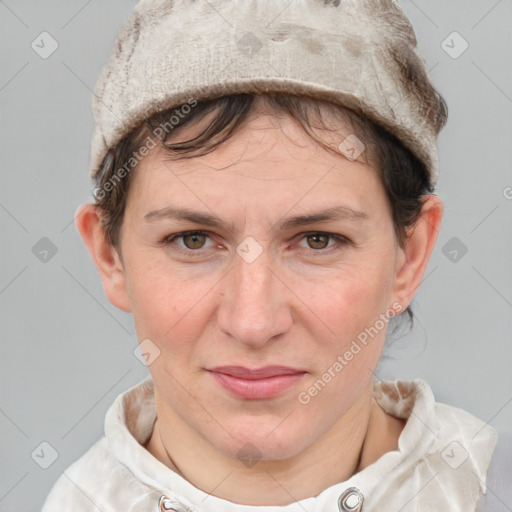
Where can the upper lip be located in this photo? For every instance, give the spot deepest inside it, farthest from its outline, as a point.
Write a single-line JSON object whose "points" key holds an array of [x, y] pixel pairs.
{"points": [[256, 373]]}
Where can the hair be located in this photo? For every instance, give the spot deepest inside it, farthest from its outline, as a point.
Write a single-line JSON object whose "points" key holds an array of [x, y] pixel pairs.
{"points": [[404, 177]]}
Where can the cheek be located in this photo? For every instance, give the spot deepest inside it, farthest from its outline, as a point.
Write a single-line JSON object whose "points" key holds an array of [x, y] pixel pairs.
{"points": [[350, 337], [349, 301], [168, 308], [344, 361]]}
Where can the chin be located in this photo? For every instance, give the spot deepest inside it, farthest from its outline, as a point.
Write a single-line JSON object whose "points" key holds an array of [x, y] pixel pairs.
{"points": [[262, 441]]}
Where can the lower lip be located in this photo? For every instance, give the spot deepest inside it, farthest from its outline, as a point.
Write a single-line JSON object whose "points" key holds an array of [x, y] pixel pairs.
{"points": [[257, 389]]}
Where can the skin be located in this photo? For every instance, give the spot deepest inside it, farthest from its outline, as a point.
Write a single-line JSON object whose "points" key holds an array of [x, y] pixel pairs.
{"points": [[298, 304]]}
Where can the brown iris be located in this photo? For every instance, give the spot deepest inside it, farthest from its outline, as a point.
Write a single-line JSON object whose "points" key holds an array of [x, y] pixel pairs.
{"points": [[318, 241], [194, 240]]}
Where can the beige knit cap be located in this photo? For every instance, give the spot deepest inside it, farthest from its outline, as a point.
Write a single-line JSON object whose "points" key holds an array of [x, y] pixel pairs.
{"points": [[361, 54]]}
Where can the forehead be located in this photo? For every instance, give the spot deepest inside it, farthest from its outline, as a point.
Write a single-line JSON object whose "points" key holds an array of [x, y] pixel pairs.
{"points": [[269, 160]]}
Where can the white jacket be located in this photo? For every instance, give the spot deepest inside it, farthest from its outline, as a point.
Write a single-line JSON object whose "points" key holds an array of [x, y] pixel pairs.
{"points": [[440, 465]]}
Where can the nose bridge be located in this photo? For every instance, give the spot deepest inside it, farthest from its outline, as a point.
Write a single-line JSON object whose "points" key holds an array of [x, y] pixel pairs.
{"points": [[254, 308], [254, 283]]}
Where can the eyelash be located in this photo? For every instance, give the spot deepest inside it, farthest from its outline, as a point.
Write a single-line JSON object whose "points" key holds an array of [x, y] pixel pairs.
{"points": [[342, 241]]}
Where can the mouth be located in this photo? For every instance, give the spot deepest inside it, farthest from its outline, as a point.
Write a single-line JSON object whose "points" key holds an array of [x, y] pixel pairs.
{"points": [[256, 384]]}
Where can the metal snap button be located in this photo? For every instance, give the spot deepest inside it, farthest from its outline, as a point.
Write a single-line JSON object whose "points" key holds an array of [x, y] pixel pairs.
{"points": [[351, 500], [165, 504]]}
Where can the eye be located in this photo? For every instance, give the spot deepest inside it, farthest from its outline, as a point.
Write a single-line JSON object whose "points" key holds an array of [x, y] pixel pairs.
{"points": [[319, 240], [191, 240]]}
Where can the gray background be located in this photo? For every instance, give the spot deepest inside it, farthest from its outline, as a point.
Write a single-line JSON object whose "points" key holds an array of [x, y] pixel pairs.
{"points": [[67, 352]]}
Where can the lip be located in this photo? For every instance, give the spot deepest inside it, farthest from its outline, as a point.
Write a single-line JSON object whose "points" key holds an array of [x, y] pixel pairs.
{"points": [[258, 383]]}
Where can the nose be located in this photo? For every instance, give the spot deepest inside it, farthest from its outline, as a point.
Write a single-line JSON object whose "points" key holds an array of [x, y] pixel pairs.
{"points": [[255, 306]]}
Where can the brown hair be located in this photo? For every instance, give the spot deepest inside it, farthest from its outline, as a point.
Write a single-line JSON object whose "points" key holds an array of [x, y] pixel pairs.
{"points": [[403, 175]]}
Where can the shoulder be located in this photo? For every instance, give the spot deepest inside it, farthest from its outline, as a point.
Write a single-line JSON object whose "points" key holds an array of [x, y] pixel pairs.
{"points": [[72, 489], [499, 478], [455, 448], [96, 481], [488, 452]]}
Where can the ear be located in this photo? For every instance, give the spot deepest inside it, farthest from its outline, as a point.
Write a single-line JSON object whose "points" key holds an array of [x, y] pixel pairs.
{"points": [[412, 260], [105, 256]]}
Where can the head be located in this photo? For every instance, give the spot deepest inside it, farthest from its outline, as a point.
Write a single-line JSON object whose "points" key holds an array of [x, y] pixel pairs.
{"points": [[250, 234]]}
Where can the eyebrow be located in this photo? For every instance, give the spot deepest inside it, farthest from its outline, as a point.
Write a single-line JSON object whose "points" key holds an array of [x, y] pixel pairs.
{"points": [[207, 219], [328, 215]]}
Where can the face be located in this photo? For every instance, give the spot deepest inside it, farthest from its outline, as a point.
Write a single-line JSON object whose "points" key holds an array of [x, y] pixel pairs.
{"points": [[255, 272]]}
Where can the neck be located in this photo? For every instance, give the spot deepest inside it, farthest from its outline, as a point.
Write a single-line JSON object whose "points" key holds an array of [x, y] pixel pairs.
{"points": [[357, 440]]}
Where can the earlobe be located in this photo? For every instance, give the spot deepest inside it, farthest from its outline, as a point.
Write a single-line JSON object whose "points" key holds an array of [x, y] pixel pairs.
{"points": [[105, 256], [412, 260]]}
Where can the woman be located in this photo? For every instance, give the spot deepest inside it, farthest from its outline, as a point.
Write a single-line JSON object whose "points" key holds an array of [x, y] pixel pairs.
{"points": [[264, 208]]}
